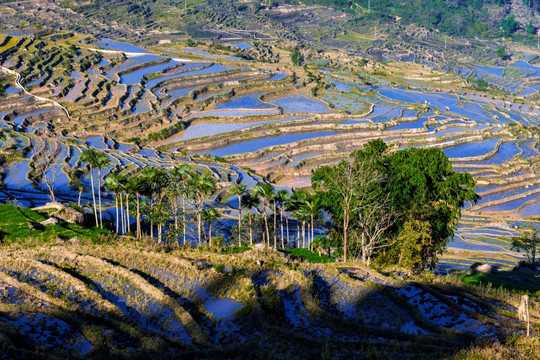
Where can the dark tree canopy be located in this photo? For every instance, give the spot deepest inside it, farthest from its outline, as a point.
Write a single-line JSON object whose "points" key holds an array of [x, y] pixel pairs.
{"points": [[409, 199]]}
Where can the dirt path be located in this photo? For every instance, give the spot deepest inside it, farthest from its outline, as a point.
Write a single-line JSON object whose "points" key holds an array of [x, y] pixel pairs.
{"points": [[39, 98]]}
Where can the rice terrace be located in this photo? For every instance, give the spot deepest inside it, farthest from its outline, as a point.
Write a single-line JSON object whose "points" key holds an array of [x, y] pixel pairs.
{"points": [[235, 179]]}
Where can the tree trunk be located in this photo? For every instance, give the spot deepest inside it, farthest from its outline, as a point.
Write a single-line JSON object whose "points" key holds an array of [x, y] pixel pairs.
{"points": [[304, 234], [151, 221], [128, 222], [210, 232], [99, 194], [312, 230], [93, 194], [528, 321], [184, 217], [199, 222], [281, 224], [310, 241], [138, 218], [116, 207], [364, 250], [275, 226], [122, 223], [239, 220], [288, 240], [250, 229], [266, 224], [297, 233], [345, 229], [159, 233], [176, 214], [80, 194]]}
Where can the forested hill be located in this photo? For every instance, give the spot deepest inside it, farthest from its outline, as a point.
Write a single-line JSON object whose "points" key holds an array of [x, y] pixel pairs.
{"points": [[463, 18], [439, 31], [455, 17]]}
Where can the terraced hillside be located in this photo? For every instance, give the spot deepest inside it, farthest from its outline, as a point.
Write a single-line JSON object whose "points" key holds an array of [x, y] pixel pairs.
{"points": [[253, 111], [170, 104], [125, 300], [280, 120]]}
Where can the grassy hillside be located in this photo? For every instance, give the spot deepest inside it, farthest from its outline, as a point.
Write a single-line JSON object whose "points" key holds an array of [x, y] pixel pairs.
{"points": [[16, 222], [130, 301]]}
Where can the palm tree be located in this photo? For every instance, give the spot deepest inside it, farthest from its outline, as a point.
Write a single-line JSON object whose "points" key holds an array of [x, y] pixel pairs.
{"points": [[266, 192], [181, 175], [90, 156], [202, 185], [113, 183], [239, 190], [152, 187], [298, 209], [250, 201], [282, 197], [160, 215], [102, 161], [138, 185], [290, 205], [302, 214], [210, 215], [132, 186], [313, 206]]}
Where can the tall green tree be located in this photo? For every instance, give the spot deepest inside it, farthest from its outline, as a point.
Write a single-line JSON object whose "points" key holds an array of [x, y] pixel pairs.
{"points": [[302, 215], [282, 197], [423, 186], [313, 207], [102, 161], [251, 200], [266, 193], [372, 195], [180, 177], [113, 183], [416, 245], [132, 187], [203, 186], [90, 156], [153, 184], [239, 190], [209, 216], [138, 186], [160, 215]]}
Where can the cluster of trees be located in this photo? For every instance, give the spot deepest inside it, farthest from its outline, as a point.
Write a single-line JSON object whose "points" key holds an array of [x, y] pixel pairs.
{"points": [[398, 207], [168, 200]]}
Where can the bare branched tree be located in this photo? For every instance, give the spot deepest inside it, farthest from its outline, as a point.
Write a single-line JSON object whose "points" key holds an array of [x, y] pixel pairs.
{"points": [[346, 186], [48, 171], [372, 208]]}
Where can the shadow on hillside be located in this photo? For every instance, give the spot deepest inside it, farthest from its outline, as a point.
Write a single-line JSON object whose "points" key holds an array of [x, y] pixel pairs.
{"points": [[293, 322]]}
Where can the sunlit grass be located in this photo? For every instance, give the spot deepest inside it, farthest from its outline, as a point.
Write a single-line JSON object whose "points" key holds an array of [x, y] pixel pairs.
{"points": [[15, 222]]}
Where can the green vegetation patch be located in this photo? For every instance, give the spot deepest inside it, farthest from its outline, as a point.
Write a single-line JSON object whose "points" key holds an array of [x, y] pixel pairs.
{"points": [[15, 226], [511, 280], [310, 256]]}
